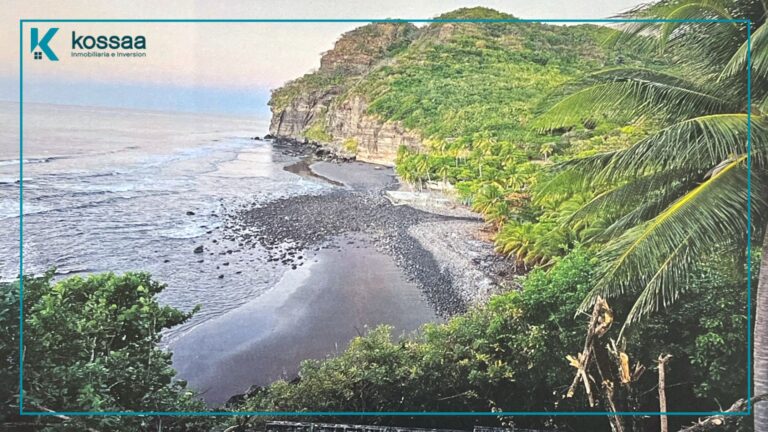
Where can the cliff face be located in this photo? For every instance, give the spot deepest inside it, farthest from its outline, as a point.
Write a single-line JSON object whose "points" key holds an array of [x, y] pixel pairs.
{"points": [[372, 140], [293, 119], [358, 50], [348, 127], [388, 85], [311, 107]]}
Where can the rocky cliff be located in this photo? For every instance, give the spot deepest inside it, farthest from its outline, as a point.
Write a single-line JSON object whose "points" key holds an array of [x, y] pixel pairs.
{"points": [[345, 126], [388, 85], [295, 117], [371, 139], [305, 109]]}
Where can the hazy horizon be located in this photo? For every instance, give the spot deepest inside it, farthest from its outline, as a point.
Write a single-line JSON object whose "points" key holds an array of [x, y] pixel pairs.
{"points": [[211, 68]]}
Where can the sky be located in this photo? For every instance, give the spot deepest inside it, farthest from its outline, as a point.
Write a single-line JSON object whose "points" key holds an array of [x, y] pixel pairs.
{"points": [[226, 68]]}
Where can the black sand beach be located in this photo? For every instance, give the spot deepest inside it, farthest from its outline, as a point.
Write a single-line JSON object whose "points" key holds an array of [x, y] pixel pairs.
{"points": [[311, 313], [353, 264]]}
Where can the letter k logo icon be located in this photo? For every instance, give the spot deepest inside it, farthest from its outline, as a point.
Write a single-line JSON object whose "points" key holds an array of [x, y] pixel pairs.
{"points": [[42, 44]]}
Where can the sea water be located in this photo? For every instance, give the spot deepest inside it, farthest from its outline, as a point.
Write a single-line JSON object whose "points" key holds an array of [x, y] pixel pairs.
{"points": [[120, 190]]}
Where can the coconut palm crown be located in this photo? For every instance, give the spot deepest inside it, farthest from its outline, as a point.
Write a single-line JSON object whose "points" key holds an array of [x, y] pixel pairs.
{"points": [[683, 192]]}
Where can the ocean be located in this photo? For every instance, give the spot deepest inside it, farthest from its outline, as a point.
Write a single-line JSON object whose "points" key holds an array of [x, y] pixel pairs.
{"points": [[119, 190]]}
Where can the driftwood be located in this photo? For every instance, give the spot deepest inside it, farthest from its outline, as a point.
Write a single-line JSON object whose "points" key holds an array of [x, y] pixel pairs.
{"points": [[721, 422], [612, 367], [615, 377], [599, 323]]}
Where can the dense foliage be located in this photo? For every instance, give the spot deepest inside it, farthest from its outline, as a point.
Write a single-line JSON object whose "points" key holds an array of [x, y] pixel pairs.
{"points": [[697, 184], [510, 355], [683, 189], [461, 80], [91, 345], [474, 91]]}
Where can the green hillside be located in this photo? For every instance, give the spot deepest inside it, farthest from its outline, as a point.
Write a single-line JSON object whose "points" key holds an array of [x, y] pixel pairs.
{"points": [[471, 91], [458, 81]]}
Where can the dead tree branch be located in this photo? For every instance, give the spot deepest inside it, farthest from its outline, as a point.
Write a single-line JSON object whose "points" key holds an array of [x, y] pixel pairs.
{"points": [[721, 422]]}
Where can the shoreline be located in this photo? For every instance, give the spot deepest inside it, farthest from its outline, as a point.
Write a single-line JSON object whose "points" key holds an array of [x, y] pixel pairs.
{"points": [[454, 235], [349, 252], [310, 314]]}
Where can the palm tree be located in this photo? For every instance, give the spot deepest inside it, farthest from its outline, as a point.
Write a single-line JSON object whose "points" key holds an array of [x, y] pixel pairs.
{"points": [[682, 192], [491, 201], [546, 150]]}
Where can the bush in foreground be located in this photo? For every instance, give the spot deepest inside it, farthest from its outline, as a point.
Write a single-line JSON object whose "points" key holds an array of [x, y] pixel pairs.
{"points": [[510, 356], [91, 345]]}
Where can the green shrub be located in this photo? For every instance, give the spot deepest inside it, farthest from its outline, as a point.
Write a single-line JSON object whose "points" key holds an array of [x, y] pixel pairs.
{"points": [[317, 132], [91, 345], [350, 145]]}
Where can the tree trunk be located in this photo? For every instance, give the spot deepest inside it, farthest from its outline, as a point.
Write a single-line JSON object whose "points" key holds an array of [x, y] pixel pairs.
{"points": [[664, 421], [761, 344]]}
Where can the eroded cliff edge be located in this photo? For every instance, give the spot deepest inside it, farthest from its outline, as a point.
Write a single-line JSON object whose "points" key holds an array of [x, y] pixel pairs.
{"points": [[320, 106], [391, 86]]}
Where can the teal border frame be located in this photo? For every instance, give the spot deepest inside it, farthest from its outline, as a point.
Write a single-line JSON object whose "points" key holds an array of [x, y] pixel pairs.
{"points": [[22, 412]]}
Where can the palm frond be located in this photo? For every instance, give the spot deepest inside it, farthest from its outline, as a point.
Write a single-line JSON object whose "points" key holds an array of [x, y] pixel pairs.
{"points": [[644, 192], [658, 292], [712, 213], [640, 73], [648, 209], [693, 10], [759, 51], [696, 144], [571, 176], [635, 97], [702, 45], [670, 10], [609, 74], [578, 175]]}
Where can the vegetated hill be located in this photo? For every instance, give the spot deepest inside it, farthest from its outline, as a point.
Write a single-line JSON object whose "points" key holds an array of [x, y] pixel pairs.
{"points": [[387, 85]]}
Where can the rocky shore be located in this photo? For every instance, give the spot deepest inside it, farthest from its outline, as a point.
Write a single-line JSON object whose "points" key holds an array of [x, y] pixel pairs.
{"points": [[440, 251], [350, 258]]}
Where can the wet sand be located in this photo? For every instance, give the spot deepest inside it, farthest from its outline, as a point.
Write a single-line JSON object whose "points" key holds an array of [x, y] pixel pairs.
{"points": [[311, 313], [357, 175], [352, 264]]}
